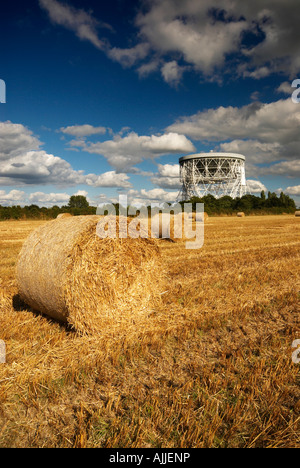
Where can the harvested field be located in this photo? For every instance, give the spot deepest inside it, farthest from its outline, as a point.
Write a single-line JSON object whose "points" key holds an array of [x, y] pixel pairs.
{"points": [[209, 366]]}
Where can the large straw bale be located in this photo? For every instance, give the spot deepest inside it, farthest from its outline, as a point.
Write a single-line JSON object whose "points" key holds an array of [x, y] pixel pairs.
{"points": [[241, 215], [68, 273], [297, 213], [64, 215]]}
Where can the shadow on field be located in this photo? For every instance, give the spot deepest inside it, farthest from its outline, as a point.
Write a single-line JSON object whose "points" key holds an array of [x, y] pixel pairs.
{"points": [[20, 306]]}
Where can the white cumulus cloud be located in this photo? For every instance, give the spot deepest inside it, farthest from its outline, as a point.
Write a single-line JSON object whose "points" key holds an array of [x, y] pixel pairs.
{"points": [[123, 153], [14, 197], [255, 186], [22, 162], [263, 132], [294, 190], [49, 199], [82, 130], [201, 35], [83, 24], [146, 197], [167, 176]]}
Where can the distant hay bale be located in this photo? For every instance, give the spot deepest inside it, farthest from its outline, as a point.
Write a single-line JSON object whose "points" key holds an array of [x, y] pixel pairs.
{"points": [[200, 217], [169, 226], [175, 227], [66, 271], [161, 226], [64, 215], [297, 213], [241, 215]]}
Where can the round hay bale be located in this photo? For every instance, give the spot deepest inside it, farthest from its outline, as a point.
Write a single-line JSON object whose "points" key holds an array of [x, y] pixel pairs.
{"points": [[66, 271], [160, 226], [64, 215], [200, 217], [297, 213], [241, 215], [169, 226]]}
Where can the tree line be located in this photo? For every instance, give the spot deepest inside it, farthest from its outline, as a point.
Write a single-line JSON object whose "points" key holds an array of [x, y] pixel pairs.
{"points": [[269, 203], [249, 204], [78, 205]]}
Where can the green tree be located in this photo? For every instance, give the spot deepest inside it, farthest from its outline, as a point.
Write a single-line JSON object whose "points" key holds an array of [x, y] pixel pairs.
{"points": [[225, 204], [78, 201], [32, 211]]}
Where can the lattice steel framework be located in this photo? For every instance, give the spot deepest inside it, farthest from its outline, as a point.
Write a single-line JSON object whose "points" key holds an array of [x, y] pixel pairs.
{"points": [[217, 174]]}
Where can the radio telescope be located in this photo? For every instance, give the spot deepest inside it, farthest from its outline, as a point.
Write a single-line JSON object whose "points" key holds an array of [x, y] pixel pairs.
{"points": [[218, 174]]}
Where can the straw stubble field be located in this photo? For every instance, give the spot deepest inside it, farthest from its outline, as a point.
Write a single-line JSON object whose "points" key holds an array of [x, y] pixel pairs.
{"points": [[208, 366]]}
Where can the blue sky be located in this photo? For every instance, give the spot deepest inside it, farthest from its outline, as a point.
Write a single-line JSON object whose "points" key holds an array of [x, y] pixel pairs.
{"points": [[103, 98]]}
